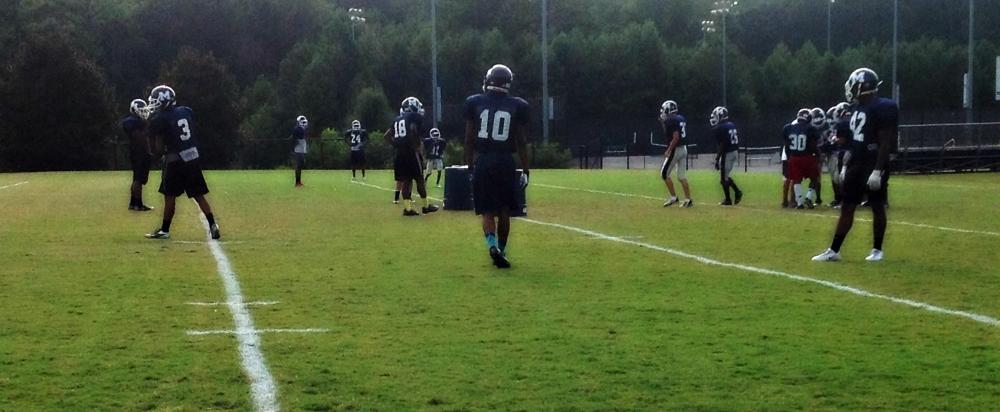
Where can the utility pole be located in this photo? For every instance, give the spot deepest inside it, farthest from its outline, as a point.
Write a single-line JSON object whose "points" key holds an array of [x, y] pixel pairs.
{"points": [[895, 49], [829, 23], [545, 71], [723, 8]]}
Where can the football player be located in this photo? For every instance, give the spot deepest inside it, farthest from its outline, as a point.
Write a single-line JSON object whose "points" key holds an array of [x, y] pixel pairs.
{"points": [[299, 147], [801, 145], [873, 125], [405, 137], [171, 127], [675, 131], [140, 154], [357, 138], [434, 152], [837, 116], [822, 132], [728, 139], [786, 183], [496, 127]]}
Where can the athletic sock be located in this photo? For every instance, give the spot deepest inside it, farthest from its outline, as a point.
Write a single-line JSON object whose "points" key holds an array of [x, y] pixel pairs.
{"points": [[838, 241], [438, 178], [502, 244], [725, 190], [878, 242], [810, 194], [362, 173], [354, 173], [396, 195], [798, 193], [133, 202], [732, 184], [491, 241], [165, 226], [210, 218]]}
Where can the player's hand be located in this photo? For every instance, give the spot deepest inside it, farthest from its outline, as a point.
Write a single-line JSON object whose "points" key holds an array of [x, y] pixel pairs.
{"points": [[841, 176], [875, 180], [524, 179]]}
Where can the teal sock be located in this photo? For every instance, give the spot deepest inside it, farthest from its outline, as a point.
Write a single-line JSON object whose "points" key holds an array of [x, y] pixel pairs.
{"points": [[491, 240], [502, 245]]}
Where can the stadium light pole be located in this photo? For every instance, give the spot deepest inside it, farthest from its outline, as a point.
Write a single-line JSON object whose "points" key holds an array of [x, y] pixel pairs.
{"points": [[829, 23], [895, 49], [545, 71], [969, 88], [356, 17], [435, 94], [723, 8]]}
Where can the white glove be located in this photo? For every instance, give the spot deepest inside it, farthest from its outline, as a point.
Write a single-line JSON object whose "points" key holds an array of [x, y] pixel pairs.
{"points": [[524, 180], [838, 178], [875, 180]]}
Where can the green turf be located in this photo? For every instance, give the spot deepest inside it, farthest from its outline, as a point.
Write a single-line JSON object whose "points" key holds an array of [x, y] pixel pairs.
{"points": [[95, 315]]}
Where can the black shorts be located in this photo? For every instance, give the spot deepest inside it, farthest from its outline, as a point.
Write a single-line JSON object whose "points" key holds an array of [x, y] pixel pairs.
{"points": [[140, 168], [300, 160], [784, 168], [855, 185], [494, 183], [406, 167], [180, 177], [358, 158]]}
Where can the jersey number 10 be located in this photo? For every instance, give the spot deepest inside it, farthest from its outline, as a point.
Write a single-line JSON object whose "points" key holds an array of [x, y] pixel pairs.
{"points": [[501, 125]]}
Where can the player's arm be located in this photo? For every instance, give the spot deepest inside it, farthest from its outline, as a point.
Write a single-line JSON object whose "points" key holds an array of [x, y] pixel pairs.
{"points": [[721, 147], [675, 138], [521, 140], [470, 142], [885, 137], [388, 137]]}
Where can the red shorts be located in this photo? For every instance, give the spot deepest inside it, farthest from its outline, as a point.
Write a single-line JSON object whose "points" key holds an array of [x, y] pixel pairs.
{"points": [[803, 167]]}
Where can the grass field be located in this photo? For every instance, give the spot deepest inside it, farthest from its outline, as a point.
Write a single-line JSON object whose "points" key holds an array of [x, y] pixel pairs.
{"points": [[614, 303]]}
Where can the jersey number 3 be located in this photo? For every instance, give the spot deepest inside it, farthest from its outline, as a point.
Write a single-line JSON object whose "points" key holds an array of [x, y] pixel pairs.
{"points": [[501, 125], [185, 129]]}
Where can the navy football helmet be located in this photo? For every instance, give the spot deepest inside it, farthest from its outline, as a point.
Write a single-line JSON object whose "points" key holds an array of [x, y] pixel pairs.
{"points": [[498, 79], [818, 117], [668, 108], [138, 108], [718, 115], [162, 98], [411, 105], [804, 116], [861, 82]]}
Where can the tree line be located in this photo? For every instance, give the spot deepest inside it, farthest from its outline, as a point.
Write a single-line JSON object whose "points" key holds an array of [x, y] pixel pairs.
{"points": [[249, 67]]}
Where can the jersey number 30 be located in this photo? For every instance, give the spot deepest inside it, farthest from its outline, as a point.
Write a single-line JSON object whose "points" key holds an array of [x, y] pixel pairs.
{"points": [[501, 125]]}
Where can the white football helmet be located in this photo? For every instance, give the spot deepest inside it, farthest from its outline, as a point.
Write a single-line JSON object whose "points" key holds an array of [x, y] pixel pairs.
{"points": [[668, 108], [818, 117], [718, 115], [138, 108], [356, 125], [411, 105], [302, 121], [435, 133]]}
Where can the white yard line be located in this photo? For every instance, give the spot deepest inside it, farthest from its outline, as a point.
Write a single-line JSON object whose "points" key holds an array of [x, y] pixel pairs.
{"points": [[254, 332], [262, 387], [13, 185], [202, 242], [833, 285], [264, 303], [895, 222], [709, 261]]}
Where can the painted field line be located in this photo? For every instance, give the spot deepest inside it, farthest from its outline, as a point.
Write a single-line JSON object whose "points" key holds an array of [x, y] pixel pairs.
{"points": [[253, 332], [263, 303], [203, 242], [13, 185], [825, 283], [385, 189], [262, 387], [895, 222]]}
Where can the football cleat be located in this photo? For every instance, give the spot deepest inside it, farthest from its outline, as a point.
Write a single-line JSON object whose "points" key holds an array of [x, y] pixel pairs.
{"points": [[499, 260], [429, 209], [670, 202], [687, 203], [809, 203], [875, 256], [158, 234], [410, 212], [725, 203], [784, 205], [739, 198], [834, 205], [395, 202], [827, 256], [800, 207], [215, 231], [142, 208]]}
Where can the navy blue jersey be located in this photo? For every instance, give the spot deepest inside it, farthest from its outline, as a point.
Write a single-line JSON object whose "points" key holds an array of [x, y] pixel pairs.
{"points": [[174, 127], [135, 130], [727, 136], [298, 133], [495, 116], [675, 123], [357, 139], [434, 148], [843, 133], [800, 139], [867, 121], [407, 129]]}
